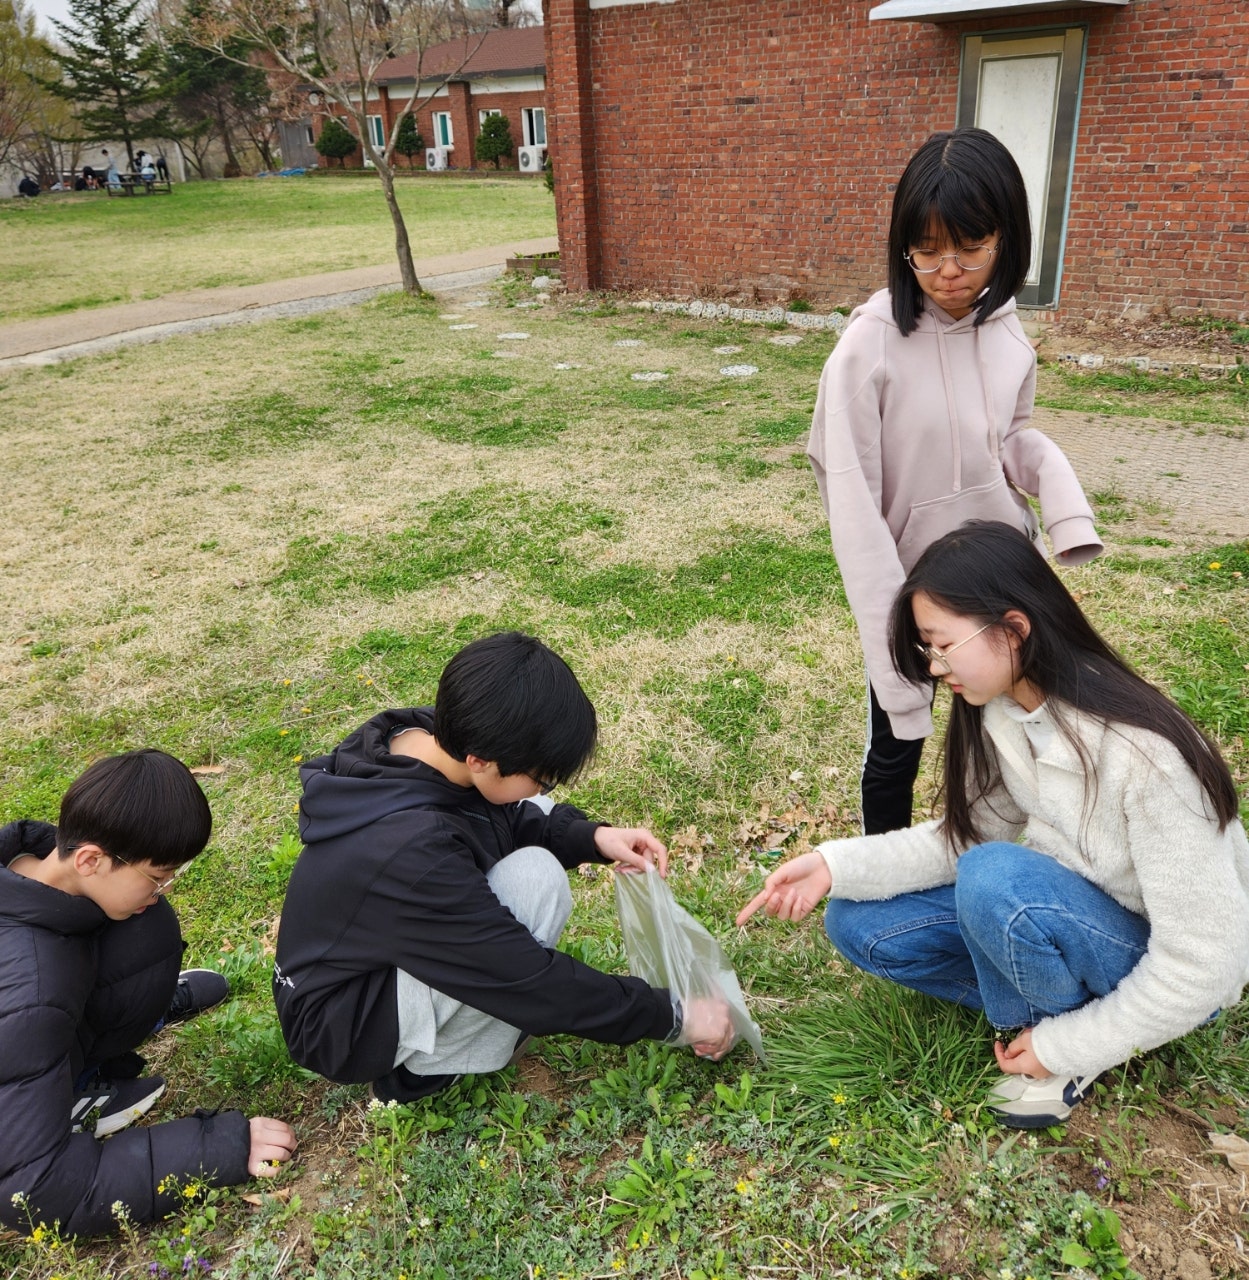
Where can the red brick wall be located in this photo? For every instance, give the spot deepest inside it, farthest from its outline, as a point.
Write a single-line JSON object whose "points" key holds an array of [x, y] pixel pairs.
{"points": [[463, 104], [751, 146]]}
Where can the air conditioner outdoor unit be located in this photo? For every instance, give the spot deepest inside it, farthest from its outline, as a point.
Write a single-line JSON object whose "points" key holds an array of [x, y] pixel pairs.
{"points": [[531, 159], [435, 157]]}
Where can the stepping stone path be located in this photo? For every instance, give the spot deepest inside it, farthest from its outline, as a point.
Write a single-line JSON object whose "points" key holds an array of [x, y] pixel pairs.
{"points": [[478, 302], [739, 370], [513, 337], [463, 326], [628, 342], [786, 339], [564, 364], [727, 351], [653, 376]]}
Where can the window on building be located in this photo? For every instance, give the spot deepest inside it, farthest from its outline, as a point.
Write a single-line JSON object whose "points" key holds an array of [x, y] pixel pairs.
{"points": [[483, 116], [442, 129], [1025, 89], [533, 122], [311, 138], [377, 134]]}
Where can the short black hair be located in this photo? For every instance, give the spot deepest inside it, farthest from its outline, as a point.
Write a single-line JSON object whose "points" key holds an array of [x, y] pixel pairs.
{"points": [[969, 182], [509, 699], [142, 806]]}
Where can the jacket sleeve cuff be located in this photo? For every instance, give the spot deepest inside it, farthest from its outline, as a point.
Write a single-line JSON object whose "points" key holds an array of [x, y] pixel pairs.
{"points": [[1075, 541], [915, 722], [580, 840]]}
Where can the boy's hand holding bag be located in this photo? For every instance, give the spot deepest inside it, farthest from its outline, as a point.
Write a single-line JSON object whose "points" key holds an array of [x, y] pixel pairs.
{"points": [[668, 948]]}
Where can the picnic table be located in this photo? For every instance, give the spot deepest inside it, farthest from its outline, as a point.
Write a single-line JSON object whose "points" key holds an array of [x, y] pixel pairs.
{"points": [[133, 184]]}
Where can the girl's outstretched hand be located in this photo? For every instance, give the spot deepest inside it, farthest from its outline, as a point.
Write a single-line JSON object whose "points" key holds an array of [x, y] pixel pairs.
{"points": [[1019, 1058], [793, 890]]}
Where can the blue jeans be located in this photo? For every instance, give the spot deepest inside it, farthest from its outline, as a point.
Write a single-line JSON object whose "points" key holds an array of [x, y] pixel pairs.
{"points": [[1017, 935]]}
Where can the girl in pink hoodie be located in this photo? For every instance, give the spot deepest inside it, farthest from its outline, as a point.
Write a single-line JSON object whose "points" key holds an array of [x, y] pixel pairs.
{"points": [[922, 422]]}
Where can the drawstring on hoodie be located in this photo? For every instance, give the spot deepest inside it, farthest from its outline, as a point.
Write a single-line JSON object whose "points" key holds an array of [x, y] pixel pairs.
{"points": [[956, 451]]}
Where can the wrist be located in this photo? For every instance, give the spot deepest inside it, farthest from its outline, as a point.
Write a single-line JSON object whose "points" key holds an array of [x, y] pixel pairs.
{"points": [[678, 1022]]}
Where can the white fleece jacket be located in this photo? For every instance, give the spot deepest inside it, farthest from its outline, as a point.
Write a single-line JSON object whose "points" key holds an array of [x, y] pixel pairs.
{"points": [[1148, 841], [914, 435]]}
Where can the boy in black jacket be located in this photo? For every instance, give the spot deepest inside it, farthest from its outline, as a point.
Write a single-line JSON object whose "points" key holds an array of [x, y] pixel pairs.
{"points": [[418, 933], [89, 956]]}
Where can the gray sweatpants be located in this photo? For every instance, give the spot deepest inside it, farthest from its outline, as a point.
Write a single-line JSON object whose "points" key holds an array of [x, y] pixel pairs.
{"points": [[442, 1036]]}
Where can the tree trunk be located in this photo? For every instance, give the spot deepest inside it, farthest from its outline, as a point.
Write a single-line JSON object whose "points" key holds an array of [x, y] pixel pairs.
{"points": [[232, 169], [403, 247]]}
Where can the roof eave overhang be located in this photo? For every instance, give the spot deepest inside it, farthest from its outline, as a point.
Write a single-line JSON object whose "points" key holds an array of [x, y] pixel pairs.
{"points": [[960, 10]]}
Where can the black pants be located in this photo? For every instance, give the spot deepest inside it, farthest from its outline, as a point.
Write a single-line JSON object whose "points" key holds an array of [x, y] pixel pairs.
{"points": [[137, 966], [889, 772]]}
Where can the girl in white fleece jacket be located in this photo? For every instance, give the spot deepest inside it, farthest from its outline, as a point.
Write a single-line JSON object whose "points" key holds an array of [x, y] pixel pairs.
{"points": [[921, 421], [1088, 886]]}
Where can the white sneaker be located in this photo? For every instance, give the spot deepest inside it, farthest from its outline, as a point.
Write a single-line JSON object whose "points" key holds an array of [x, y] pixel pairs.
{"points": [[1023, 1102]]}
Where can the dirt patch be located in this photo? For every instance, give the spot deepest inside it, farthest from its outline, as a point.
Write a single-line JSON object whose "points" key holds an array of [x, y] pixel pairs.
{"points": [[1160, 339], [1184, 1217]]}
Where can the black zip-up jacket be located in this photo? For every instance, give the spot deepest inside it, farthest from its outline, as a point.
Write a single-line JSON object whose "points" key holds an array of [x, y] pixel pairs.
{"points": [[47, 970], [393, 876]]}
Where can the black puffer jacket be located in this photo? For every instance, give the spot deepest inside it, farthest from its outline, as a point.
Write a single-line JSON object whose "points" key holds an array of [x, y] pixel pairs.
{"points": [[48, 942]]}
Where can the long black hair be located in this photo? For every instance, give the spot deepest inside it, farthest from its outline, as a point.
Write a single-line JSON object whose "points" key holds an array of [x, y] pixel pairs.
{"points": [[968, 181], [985, 570]]}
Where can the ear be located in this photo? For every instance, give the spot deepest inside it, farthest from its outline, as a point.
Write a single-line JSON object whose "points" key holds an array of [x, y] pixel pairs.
{"points": [[89, 859], [1018, 626], [476, 765]]}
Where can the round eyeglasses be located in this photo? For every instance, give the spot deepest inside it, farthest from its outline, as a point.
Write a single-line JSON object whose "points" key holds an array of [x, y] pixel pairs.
{"points": [[970, 258], [939, 657]]}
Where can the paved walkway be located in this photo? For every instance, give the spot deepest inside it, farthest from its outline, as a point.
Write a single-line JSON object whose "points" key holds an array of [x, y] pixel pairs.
{"points": [[51, 338], [1189, 484], [1186, 483]]}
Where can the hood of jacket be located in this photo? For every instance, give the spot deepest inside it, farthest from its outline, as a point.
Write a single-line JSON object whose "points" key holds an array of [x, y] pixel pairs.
{"points": [[361, 781], [880, 306], [24, 901]]}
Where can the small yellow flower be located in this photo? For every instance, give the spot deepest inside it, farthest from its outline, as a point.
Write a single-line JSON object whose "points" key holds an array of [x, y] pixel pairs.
{"points": [[37, 1234], [286, 683], [839, 1099], [483, 1162], [189, 1192], [689, 1157], [298, 759], [617, 1264], [742, 1187], [368, 682], [1216, 564], [306, 710], [283, 732], [834, 1140]]}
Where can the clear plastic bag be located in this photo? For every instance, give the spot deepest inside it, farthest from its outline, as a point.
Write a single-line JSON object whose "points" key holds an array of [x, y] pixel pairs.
{"points": [[668, 948]]}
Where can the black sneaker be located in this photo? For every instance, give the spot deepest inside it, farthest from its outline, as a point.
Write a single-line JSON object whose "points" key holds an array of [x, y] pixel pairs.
{"points": [[107, 1107], [197, 990], [402, 1085]]}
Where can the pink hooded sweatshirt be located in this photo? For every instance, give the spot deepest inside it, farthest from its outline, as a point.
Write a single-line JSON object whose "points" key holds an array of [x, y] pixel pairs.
{"points": [[914, 435]]}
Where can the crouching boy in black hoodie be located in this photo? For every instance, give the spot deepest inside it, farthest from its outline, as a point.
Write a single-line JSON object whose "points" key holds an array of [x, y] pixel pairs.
{"points": [[89, 967], [418, 936]]}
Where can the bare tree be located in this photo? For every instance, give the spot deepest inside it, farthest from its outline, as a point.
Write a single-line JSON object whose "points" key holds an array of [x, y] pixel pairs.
{"points": [[335, 47], [21, 61]]}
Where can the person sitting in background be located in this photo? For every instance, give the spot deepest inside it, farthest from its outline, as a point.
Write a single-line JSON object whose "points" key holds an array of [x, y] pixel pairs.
{"points": [[28, 187]]}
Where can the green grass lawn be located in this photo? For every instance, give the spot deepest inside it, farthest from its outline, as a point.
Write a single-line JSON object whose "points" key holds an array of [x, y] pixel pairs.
{"points": [[296, 526], [80, 250]]}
